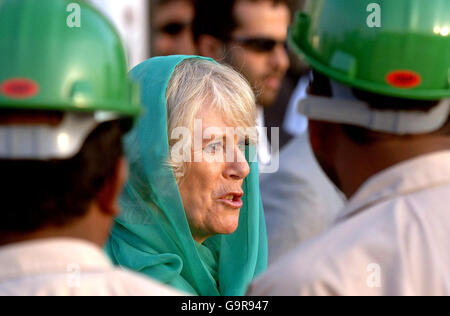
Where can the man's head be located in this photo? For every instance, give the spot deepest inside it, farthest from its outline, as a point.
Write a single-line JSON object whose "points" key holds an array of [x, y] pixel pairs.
{"points": [[380, 89], [173, 24], [59, 194], [65, 102], [339, 145], [250, 35]]}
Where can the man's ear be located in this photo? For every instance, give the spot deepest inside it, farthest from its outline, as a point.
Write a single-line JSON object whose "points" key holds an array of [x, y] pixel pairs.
{"points": [[209, 46], [109, 194]]}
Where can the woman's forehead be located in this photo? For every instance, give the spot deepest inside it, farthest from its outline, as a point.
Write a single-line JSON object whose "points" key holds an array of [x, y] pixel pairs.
{"points": [[215, 116], [211, 117], [214, 123]]}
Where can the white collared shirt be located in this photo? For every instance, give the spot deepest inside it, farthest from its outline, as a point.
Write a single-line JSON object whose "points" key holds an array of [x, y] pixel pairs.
{"points": [[392, 239], [296, 123], [60, 267], [264, 157]]}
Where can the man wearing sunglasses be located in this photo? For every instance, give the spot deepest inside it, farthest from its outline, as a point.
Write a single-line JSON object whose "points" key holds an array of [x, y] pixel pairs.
{"points": [[249, 35], [173, 24]]}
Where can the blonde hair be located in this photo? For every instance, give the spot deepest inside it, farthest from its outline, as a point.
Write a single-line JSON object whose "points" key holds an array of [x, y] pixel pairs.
{"points": [[197, 83]]}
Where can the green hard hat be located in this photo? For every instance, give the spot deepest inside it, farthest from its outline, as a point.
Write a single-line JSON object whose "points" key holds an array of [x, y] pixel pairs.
{"points": [[62, 55], [399, 48]]}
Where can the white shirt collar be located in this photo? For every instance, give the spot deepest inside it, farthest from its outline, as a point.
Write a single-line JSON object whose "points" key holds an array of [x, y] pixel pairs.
{"points": [[48, 256]]}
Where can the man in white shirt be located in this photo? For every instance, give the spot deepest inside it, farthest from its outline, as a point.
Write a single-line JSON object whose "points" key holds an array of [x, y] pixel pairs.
{"points": [[381, 132], [65, 104]]}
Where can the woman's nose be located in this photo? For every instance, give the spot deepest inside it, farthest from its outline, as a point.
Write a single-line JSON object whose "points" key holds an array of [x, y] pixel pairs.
{"points": [[238, 168]]}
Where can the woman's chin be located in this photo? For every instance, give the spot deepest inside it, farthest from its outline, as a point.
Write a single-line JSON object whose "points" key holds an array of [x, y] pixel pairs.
{"points": [[229, 225], [229, 231]]}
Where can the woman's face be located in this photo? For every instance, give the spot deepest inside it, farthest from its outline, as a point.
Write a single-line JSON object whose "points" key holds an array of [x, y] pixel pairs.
{"points": [[212, 190]]}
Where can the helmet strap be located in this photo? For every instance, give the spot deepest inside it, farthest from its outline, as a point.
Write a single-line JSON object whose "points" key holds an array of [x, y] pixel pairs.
{"points": [[345, 108], [44, 142]]}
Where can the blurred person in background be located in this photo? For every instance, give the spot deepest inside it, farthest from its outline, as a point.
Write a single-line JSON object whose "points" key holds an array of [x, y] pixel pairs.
{"points": [[173, 28], [65, 103], [381, 132], [249, 35], [282, 114]]}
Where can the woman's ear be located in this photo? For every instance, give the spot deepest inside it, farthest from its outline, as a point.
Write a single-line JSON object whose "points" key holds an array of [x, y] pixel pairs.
{"points": [[109, 194], [210, 46]]}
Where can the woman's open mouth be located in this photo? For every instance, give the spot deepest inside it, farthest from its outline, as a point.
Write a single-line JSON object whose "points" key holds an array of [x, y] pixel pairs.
{"points": [[232, 199]]}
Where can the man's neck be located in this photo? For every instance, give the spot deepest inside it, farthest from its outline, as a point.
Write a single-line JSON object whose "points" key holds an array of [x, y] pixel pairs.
{"points": [[359, 163]]}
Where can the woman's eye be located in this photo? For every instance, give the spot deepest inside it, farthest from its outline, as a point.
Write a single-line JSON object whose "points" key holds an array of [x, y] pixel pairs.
{"points": [[242, 145], [213, 148]]}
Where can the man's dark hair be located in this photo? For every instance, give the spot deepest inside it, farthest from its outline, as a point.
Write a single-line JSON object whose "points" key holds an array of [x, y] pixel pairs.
{"points": [[216, 17], [38, 194], [320, 86]]}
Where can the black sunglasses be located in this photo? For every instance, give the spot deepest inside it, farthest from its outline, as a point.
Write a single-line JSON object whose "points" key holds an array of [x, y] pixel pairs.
{"points": [[259, 44], [174, 28]]}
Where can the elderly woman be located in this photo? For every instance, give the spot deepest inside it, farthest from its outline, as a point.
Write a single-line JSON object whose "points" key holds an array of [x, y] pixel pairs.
{"points": [[191, 211]]}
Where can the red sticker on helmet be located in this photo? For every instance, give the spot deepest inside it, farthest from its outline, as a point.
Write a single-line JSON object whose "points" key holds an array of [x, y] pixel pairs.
{"points": [[19, 88], [404, 79]]}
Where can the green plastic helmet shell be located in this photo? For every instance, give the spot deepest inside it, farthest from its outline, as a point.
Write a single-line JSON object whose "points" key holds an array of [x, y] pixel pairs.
{"points": [[49, 63], [406, 53]]}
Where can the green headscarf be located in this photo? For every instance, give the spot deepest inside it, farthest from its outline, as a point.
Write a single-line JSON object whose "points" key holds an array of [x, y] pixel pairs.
{"points": [[152, 234]]}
